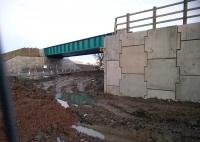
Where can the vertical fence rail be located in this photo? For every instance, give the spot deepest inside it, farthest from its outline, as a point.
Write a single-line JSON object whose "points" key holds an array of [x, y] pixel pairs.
{"points": [[154, 17], [183, 5], [115, 26], [127, 22]]}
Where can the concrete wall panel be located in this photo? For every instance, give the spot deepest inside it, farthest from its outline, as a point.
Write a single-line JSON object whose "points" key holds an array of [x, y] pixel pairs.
{"points": [[160, 94], [132, 41], [188, 89], [113, 47], [136, 38], [161, 43], [190, 31], [151, 64], [161, 74], [133, 59], [140, 34], [113, 73], [122, 34], [133, 85], [113, 90], [188, 58]]}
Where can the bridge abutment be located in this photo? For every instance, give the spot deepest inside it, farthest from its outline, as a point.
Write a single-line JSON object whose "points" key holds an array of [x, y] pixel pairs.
{"points": [[23, 62], [162, 63]]}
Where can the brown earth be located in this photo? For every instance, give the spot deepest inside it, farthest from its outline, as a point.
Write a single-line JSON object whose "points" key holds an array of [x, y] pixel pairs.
{"points": [[39, 117], [140, 120]]}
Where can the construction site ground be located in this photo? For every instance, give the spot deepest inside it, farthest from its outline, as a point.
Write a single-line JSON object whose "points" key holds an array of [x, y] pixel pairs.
{"points": [[39, 117]]}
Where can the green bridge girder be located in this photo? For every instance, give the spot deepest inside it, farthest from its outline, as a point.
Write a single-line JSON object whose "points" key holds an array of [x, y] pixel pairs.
{"points": [[85, 46]]}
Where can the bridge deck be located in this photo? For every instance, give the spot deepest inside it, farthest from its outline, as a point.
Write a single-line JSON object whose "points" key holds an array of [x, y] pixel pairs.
{"points": [[86, 46]]}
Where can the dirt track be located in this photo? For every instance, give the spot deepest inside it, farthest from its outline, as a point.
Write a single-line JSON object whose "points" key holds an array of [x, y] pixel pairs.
{"points": [[136, 119], [120, 119]]}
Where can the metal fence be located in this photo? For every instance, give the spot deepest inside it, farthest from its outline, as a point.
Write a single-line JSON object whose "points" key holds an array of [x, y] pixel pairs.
{"points": [[131, 24]]}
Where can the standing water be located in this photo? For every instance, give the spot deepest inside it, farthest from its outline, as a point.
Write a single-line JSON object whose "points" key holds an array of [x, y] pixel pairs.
{"points": [[89, 132]]}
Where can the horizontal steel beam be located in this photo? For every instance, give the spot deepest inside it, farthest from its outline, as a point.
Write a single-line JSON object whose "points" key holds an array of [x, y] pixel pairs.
{"points": [[76, 47]]}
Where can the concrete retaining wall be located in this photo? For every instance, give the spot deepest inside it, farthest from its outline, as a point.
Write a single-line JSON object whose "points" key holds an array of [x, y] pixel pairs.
{"points": [[22, 65], [18, 63], [162, 63]]}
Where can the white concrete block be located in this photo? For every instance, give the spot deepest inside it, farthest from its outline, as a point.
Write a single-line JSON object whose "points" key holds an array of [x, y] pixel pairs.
{"points": [[113, 90], [136, 38], [162, 43], [190, 31], [133, 85], [188, 58], [139, 34], [133, 59], [113, 47], [188, 89], [160, 94], [122, 34], [132, 41], [113, 73], [162, 74]]}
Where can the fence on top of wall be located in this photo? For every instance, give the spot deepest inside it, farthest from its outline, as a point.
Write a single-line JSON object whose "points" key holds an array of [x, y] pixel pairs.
{"points": [[153, 15]]}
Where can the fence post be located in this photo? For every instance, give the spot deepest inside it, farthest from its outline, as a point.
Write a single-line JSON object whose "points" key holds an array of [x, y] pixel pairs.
{"points": [[185, 6], [115, 26], [127, 22], [154, 17]]}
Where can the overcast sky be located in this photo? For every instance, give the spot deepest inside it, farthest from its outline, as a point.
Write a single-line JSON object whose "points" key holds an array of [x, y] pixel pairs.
{"points": [[43, 23]]}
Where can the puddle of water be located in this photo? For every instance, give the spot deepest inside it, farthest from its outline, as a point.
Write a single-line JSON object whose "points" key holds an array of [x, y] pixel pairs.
{"points": [[58, 139], [58, 95], [89, 132], [63, 103], [78, 98]]}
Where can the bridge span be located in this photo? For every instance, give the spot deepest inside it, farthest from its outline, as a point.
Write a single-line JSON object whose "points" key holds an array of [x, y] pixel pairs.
{"points": [[85, 46]]}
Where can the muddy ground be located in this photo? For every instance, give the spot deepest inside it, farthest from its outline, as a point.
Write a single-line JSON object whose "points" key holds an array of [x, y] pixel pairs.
{"points": [[38, 115], [118, 118]]}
